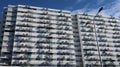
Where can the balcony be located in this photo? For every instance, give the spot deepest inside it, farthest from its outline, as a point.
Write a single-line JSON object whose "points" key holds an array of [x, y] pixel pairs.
{"points": [[90, 30], [103, 45], [61, 58], [48, 47], [117, 46], [60, 63], [64, 53], [25, 35], [118, 55], [106, 54], [23, 64], [24, 45], [102, 40], [90, 49], [89, 26], [117, 33], [62, 19], [22, 29], [101, 35], [25, 25], [88, 39], [48, 52], [27, 20], [6, 50], [60, 28], [117, 50], [63, 42], [22, 40], [48, 58], [46, 63], [116, 37], [44, 13], [69, 59], [116, 41], [112, 21], [16, 62], [100, 23], [116, 29], [88, 34], [93, 59], [44, 31], [63, 24], [86, 18], [43, 41], [4, 57], [62, 47], [101, 31], [108, 59], [64, 28], [27, 51], [67, 28], [101, 28], [21, 57], [39, 57], [61, 15], [89, 44], [61, 32], [39, 46], [99, 20], [28, 15], [104, 49], [89, 54], [64, 37]]}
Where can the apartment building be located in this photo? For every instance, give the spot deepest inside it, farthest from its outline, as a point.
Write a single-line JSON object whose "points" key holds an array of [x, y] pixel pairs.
{"points": [[99, 40], [36, 36]]}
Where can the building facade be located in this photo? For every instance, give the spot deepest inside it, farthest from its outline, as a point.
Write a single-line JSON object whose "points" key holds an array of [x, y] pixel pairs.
{"points": [[35, 36], [99, 40], [76, 36]]}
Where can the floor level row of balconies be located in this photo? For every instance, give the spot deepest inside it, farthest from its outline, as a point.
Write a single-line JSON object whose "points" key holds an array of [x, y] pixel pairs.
{"points": [[36, 48], [38, 12], [45, 17], [98, 18], [44, 63], [40, 28], [43, 23], [43, 56], [53, 33]]}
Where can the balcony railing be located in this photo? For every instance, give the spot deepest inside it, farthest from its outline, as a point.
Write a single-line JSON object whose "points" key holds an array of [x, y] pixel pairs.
{"points": [[88, 39], [116, 41], [93, 59], [22, 63], [64, 53], [62, 47], [46, 63], [89, 54], [89, 44]]}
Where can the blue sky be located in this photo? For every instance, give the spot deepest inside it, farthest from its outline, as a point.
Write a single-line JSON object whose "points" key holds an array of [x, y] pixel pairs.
{"points": [[111, 7]]}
